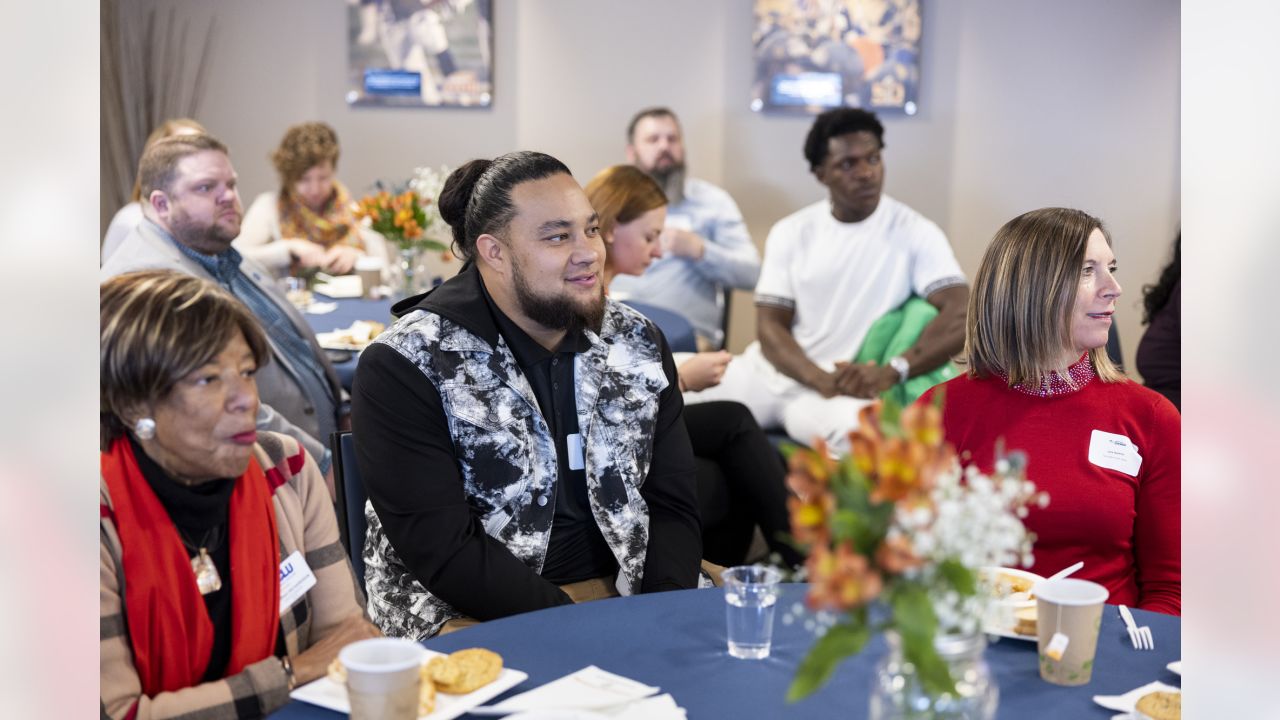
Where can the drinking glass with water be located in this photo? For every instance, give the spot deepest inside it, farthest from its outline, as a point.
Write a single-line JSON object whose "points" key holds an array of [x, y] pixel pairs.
{"points": [[751, 595]]}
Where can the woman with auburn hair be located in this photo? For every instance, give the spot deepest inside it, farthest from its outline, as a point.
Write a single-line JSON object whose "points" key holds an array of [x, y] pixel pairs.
{"points": [[1105, 449], [309, 223], [128, 217], [201, 514], [741, 479]]}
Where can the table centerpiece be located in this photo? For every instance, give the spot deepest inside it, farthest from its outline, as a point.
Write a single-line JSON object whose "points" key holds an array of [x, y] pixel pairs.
{"points": [[896, 530], [407, 216]]}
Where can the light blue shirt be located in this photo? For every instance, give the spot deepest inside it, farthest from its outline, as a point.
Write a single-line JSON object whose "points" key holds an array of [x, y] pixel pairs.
{"points": [[692, 288]]}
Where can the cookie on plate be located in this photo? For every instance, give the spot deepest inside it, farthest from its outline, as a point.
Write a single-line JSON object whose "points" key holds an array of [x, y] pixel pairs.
{"points": [[1161, 705], [465, 670]]}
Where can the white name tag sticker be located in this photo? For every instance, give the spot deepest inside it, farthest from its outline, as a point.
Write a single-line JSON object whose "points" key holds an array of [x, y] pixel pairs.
{"points": [[296, 579], [573, 444], [1114, 452]]}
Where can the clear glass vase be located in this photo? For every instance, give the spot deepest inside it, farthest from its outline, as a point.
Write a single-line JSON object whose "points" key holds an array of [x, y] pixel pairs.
{"points": [[898, 694], [411, 272]]}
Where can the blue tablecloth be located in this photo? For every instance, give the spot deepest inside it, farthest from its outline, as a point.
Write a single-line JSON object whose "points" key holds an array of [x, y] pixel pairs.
{"points": [[349, 310], [676, 641]]}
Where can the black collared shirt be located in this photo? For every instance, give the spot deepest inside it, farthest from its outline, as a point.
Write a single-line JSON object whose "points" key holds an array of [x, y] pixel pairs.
{"points": [[576, 550]]}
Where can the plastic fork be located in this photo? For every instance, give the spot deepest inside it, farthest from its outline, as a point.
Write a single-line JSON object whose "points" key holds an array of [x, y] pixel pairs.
{"points": [[1140, 637]]}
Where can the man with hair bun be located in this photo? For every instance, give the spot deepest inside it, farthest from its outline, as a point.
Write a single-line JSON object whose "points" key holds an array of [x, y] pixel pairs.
{"points": [[519, 434], [830, 271]]}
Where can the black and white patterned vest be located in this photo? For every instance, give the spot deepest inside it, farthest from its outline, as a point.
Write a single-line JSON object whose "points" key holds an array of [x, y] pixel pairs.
{"points": [[507, 456]]}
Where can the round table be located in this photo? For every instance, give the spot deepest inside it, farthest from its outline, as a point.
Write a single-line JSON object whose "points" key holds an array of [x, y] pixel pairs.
{"points": [[676, 641]]}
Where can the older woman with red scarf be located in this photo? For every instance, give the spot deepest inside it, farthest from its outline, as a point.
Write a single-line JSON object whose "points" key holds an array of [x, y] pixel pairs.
{"points": [[204, 519]]}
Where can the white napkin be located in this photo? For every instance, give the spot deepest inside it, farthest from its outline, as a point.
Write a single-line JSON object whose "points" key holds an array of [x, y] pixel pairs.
{"points": [[342, 286], [321, 308], [657, 707], [1125, 703], [589, 689]]}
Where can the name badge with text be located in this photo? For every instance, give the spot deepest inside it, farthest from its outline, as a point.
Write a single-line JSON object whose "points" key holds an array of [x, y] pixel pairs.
{"points": [[573, 444], [296, 579], [1114, 452]]}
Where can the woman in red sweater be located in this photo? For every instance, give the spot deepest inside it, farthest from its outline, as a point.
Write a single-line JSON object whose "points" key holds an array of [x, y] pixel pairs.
{"points": [[1107, 450]]}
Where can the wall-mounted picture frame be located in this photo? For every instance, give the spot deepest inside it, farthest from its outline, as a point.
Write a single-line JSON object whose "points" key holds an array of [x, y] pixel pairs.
{"points": [[420, 53], [811, 55]]}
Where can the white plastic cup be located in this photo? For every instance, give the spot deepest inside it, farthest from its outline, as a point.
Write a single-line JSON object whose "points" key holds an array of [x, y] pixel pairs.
{"points": [[383, 678], [1073, 608], [369, 269], [751, 596]]}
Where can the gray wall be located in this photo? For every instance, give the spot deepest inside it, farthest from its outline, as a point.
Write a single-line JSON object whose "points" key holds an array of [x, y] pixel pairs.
{"points": [[1023, 104]]}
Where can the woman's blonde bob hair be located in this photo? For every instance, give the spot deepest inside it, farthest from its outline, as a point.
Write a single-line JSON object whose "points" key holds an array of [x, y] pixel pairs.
{"points": [[157, 326], [1019, 319], [622, 193]]}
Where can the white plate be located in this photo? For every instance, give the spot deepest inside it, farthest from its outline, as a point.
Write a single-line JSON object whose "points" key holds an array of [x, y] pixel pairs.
{"points": [[1175, 667], [329, 694], [329, 341], [1005, 633], [1125, 703]]}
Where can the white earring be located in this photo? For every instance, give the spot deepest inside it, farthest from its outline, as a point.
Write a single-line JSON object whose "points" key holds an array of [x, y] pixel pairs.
{"points": [[145, 428]]}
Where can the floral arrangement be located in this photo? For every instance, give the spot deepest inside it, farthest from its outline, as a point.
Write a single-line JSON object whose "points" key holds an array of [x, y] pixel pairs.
{"points": [[896, 531], [408, 217], [427, 182]]}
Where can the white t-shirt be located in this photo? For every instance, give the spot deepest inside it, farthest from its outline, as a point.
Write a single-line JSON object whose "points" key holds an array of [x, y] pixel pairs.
{"points": [[839, 278]]}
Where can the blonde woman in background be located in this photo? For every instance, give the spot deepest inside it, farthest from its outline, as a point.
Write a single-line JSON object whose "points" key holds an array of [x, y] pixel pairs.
{"points": [[128, 217]]}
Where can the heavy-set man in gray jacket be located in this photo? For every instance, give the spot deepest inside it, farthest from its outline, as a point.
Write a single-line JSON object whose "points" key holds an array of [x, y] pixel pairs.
{"points": [[191, 213]]}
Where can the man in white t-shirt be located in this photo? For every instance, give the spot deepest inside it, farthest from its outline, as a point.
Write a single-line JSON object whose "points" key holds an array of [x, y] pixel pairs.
{"points": [[831, 270]]}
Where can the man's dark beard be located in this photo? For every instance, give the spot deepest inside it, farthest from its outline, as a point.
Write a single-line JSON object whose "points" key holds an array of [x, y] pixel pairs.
{"points": [[209, 240], [559, 312], [672, 181]]}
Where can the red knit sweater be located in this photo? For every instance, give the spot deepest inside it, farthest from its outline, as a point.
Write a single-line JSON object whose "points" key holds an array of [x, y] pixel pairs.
{"points": [[1127, 530]]}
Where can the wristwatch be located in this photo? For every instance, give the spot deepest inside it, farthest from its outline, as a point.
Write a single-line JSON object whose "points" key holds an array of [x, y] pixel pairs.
{"points": [[903, 367]]}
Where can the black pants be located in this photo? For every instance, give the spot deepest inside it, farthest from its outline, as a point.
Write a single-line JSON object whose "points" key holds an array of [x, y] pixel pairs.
{"points": [[741, 483]]}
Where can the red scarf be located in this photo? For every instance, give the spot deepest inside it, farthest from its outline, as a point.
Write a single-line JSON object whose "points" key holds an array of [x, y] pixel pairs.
{"points": [[169, 627]]}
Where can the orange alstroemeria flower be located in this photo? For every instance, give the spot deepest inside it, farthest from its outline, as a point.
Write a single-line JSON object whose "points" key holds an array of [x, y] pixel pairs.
{"points": [[896, 555], [923, 424], [841, 580], [810, 518], [810, 470], [897, 472]]}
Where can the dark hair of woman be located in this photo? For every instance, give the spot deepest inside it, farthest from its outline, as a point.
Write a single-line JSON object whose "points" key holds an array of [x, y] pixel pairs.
{"points": [[476, 198], [1154, 297]]}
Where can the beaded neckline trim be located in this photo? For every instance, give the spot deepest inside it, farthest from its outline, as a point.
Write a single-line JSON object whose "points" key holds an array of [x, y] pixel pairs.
{"points": [[1078, 375]]}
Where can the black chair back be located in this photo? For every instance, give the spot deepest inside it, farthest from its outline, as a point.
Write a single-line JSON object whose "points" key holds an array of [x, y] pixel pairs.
{"points": [[350, 500]]}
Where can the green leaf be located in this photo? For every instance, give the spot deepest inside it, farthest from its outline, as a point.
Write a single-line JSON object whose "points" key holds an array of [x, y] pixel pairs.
{"points": [[961, 578], [841, 641], [788, 449], [916, 623], [890, 414]]}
